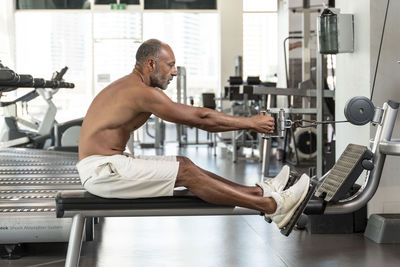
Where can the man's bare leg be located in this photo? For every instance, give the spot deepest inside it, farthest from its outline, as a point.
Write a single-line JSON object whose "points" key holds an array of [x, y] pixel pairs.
{"points": [[254, 190], [213, 190]]}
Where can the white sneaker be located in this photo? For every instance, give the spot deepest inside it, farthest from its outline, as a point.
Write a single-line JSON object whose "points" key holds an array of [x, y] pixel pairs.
{"points": [[288, 201], [277, 183]]}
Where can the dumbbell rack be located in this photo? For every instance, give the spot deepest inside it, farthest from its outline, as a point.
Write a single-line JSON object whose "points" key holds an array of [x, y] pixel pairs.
{"points": [[29, 181]]}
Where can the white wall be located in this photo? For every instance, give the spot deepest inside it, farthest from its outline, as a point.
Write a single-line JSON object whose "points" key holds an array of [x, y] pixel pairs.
{"points": [[354, 77], [7, 33], [353, 74], [231, 22], [387, 198]]}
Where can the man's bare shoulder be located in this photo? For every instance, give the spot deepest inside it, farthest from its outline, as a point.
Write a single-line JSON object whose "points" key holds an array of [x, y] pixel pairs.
{"points": [[124, 90], [130, 86]]}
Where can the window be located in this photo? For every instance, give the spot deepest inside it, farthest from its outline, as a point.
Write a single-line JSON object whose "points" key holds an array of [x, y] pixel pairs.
{"points": [[99, 47], [117, 37], [47, 41], [194, 39], [260, 39]]}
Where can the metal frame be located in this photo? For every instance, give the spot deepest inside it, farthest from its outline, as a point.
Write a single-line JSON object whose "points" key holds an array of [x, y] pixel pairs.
{"points": [[381, 146], [79, 219]]}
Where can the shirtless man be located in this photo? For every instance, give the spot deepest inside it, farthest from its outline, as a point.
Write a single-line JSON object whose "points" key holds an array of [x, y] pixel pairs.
{"points": [[127, 103]]}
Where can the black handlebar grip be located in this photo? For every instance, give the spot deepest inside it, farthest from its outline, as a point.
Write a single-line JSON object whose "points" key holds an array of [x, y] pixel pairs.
{"points": [[66, 85], [60, 74], [7, 75], [50, 84], [38, 82], [25, 80]]}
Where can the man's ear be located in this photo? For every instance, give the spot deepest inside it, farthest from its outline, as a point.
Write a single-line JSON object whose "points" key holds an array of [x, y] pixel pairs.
{"points": [[151, 64]]}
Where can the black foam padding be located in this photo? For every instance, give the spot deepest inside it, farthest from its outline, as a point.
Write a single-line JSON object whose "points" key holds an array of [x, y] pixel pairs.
{"points": [[286, 230], [344, 173], [235, 80], [233, 93], [253, 80], [7, 75], [248, 89], [83, 200], [209, 100], [21, 80], [38, 82]]}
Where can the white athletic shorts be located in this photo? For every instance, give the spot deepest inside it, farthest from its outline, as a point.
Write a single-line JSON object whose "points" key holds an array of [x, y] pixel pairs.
{"points": [[128, 176]]}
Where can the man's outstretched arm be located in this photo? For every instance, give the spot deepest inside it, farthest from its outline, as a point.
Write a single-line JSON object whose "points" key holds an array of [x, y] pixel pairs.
{"points": [[210, 120]]}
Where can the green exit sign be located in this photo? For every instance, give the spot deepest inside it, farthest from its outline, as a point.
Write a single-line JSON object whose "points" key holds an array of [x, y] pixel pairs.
{"points": [[118, 6]]}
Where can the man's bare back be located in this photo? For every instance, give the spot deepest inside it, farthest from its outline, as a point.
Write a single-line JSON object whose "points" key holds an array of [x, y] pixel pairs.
{"points": [[112, 116]]}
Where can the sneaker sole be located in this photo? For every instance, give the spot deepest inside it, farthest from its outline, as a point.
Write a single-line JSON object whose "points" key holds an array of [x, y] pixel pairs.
{"points": [[289, 215]]}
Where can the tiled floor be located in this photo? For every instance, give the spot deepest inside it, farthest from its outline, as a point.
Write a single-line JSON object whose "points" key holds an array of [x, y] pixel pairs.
{"points": [[212, 240]]}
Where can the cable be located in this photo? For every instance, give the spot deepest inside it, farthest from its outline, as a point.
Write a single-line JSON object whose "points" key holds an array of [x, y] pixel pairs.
{"points": [[379, 52], [312, 123]]}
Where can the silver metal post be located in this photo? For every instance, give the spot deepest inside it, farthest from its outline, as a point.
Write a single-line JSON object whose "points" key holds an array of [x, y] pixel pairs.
{"points": [[75, 241], [260, 148], [181, 98], [266, 157], [214, 136], [157, 135], [234, 147], [319, 105], [306, 52], [239, 66]]}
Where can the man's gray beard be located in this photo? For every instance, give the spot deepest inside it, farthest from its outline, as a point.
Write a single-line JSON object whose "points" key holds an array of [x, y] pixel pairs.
{"points": [[155, 83]]}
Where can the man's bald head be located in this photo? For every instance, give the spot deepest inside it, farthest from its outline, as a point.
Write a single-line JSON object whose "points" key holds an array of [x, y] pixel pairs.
{"points": [[155, 63], [149, 48]]}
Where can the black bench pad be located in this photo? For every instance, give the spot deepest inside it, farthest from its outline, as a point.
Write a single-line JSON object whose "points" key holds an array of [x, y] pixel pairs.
{"points": [[82, 200]]}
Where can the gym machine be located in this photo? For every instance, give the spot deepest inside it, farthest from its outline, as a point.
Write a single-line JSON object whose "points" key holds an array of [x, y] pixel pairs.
{"points": [[244, 103], [331, 192], [181, 97], [266, 142], [29, 181], [42, 133]]}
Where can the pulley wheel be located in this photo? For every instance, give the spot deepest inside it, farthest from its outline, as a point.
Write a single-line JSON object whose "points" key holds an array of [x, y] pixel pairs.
{"points": [[306, 142], [359, 110]]}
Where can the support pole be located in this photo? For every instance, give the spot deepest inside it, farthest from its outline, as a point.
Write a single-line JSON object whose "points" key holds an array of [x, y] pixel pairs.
{"points": [[75, 241], [319, 105]]}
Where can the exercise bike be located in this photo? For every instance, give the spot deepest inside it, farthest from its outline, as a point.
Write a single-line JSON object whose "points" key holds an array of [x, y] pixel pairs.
{"points": [[45, 133]]}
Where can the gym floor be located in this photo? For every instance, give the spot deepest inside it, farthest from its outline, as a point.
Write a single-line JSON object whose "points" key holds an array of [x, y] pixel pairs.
{"points": [[211, 240]]}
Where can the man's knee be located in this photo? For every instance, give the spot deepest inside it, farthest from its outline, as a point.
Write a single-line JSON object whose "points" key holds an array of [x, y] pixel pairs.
{"points": [[184, 160], [186, 172]]}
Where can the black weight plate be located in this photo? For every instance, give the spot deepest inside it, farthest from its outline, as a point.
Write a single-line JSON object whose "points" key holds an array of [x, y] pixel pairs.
{"points": [[359, 110]]}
